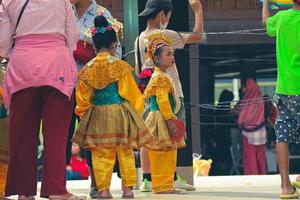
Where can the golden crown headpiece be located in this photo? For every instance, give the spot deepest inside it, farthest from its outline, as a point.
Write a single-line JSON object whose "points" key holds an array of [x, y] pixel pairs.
{"points": [[155, 41]]}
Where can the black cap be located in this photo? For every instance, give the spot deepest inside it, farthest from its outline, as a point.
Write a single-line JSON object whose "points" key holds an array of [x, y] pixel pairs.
{"points": [[152, 5]]}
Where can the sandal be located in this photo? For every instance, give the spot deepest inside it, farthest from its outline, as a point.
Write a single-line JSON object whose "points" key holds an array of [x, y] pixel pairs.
{"points": [[23, 197], [66, 197], [94, 194], [293, 195], [296, 184], [174, 191]]}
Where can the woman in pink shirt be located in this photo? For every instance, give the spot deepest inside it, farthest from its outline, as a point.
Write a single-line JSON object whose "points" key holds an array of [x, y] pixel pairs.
{"points": [[38, 85]]}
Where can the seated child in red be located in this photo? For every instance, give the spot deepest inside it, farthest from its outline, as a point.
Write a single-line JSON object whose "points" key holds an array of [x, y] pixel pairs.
{"points": [[78, 169]]}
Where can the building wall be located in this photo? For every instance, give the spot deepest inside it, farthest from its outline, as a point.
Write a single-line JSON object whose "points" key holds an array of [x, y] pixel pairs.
{"points": [[116, 8], [219, 16], [229, 4], [231, 15]]}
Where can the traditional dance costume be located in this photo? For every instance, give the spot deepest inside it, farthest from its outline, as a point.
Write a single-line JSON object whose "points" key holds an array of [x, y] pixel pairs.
{"points": [[161, 96], [107, 102], [85, 52], [177, 41]]}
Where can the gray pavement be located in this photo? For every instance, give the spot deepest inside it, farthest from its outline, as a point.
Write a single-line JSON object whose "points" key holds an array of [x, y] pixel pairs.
{"points": [[208, 188]]}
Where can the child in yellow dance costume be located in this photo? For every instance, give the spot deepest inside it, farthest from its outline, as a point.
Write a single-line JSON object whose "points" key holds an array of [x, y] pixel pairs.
{"points": [[164, 104], [108, 102], [3, 146]]}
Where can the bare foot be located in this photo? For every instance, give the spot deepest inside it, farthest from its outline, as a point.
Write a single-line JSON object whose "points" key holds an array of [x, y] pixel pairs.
{"points": [[127, 193], [105, 194], [67, 196], [288, 190]]}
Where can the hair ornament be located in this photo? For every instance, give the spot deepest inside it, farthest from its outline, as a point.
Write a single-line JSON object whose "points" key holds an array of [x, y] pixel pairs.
{"points": [[155, 41]]}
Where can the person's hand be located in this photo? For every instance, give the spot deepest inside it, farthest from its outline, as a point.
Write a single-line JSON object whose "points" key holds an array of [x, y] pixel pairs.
{"points": [[266, 2], [69, 168], [196, 5], [172, 127], [137, 71], [265, 12]]}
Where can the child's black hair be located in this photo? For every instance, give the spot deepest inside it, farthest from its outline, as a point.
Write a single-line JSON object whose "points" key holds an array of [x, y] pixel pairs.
{"points": [[159, 51], [105, 39]]}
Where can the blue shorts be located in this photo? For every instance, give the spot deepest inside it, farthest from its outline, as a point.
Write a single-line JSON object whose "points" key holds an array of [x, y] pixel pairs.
{"points": [[288, 122]]}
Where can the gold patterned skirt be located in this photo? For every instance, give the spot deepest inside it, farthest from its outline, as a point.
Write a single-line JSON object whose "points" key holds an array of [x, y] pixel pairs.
{"points": [[112, 126], [158, 128], [3, 141]]}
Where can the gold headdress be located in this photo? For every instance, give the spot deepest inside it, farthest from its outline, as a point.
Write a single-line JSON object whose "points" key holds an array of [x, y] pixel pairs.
{"points": [[155, 41]]}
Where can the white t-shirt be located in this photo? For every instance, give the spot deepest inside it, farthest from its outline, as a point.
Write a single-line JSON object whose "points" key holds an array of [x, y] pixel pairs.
{"points": [[178, 42]]}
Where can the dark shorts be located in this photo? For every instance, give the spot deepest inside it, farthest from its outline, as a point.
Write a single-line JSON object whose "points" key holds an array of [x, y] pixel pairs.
{"points": [[288, 122]]}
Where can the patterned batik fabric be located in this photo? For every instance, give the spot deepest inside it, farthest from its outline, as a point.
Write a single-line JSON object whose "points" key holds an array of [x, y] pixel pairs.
{"points": [[112, 126], [158, 128], [288, 121]]}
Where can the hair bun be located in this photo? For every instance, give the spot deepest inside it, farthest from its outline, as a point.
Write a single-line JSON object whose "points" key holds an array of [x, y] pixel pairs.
{"points": [[100, 21]]}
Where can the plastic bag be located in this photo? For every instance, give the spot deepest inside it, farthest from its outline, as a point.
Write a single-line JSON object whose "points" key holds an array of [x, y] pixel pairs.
{"points": [[201, 167]]}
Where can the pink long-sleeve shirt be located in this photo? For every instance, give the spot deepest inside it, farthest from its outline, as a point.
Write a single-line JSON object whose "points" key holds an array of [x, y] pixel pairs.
{"points": [[39, 17], [45, 38]]}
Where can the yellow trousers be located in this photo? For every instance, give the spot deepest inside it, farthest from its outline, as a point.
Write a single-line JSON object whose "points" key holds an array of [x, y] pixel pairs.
{"points": [[103, 164], [163, 166], [3, 175]]}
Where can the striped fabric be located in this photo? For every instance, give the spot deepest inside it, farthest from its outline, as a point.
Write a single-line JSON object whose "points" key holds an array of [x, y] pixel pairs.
{"points": [[258, 137], [3, 141]]}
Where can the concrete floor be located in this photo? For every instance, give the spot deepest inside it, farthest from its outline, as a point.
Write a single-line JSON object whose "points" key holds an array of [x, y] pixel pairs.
{"points": [[208, 188]]}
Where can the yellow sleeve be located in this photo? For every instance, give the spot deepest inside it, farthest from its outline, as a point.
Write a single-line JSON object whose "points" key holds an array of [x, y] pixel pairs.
{"points": [[129, 90], [162, 98], [84, 95]]}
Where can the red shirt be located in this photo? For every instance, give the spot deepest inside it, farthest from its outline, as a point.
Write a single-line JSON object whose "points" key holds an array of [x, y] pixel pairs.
{"points": [[80, 166]]}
